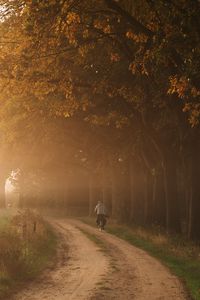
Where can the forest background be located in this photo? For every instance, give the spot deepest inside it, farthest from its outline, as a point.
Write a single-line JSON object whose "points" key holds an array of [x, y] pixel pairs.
{"points": [[100, 100]]}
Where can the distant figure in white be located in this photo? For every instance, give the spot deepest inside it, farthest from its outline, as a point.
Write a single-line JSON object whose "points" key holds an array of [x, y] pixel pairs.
{"points": [[101, 213], [12, 189]]}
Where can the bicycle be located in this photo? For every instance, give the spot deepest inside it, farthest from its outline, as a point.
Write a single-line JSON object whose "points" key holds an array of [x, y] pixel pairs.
{"points": [[101, 222]]}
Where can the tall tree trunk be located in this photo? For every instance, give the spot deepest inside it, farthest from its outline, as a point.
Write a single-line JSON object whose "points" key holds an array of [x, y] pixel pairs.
{"points": [[132, 192], [189, 211], [91, 195], [104, 187], [114, 193], [154, 195], [171, 196], [65, 188], [194, 198], [2, 192], [148, 200], [159, 203], [137, 195]]}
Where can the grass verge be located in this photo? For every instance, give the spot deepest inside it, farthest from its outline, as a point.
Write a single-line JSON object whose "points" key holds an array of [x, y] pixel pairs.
{"points": [[179, 255], [27, 245], [95, 240]]}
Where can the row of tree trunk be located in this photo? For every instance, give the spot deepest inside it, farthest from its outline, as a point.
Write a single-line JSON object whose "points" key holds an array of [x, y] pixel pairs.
{"points": [[135, 190], [166, 196]]}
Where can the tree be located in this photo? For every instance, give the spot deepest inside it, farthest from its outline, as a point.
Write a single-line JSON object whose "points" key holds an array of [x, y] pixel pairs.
{"points": [[130, 66]]}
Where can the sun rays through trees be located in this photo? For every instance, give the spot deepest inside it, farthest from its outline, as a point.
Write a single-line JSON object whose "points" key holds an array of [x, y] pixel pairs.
{"points": [[100, 99]]}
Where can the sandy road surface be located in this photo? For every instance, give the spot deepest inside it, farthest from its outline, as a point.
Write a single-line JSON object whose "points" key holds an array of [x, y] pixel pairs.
{"points": [[83, 272]]}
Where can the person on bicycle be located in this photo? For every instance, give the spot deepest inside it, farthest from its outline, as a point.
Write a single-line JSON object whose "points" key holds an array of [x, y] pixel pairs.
{"points": [[100, 210]]}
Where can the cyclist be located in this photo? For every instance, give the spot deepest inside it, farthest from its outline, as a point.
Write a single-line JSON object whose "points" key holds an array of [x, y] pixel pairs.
{"points": [[100, 210]]}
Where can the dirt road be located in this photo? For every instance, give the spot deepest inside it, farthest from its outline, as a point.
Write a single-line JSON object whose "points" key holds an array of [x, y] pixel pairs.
{"points": [[112, 270]]}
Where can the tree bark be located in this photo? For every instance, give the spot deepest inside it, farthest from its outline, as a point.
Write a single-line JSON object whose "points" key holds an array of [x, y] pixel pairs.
{"points": [[114, 193], [2, 192], [171, 197], [159, 203], [91, 195], [148, 198], [194, 198], [132, 193]]}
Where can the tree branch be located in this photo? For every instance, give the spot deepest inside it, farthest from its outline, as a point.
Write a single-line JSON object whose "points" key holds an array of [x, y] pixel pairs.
{"points": [[136, 25]]}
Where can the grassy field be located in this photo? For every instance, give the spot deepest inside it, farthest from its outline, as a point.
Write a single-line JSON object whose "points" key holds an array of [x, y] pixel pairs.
{"points": [[27, 245], [182, 257]]}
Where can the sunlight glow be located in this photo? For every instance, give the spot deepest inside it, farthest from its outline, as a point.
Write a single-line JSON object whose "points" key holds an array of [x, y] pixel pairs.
{"points": [[9, 187]]}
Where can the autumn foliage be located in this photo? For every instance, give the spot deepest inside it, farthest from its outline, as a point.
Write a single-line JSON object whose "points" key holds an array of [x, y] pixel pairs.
{"points": [[119, 79]]}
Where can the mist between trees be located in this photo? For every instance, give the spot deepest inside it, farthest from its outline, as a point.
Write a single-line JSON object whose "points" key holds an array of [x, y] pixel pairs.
{"points": [[100, 100]]}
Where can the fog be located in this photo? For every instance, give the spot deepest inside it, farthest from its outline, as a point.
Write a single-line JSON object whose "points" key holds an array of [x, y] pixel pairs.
{"points": [[97, 107]]}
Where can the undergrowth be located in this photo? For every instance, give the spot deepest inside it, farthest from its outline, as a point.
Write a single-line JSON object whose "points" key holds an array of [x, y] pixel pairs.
{"points": [[27, 244]]}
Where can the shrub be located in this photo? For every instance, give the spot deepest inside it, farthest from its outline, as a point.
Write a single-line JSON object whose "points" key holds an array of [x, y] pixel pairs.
{"points": [[26, 245]]}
